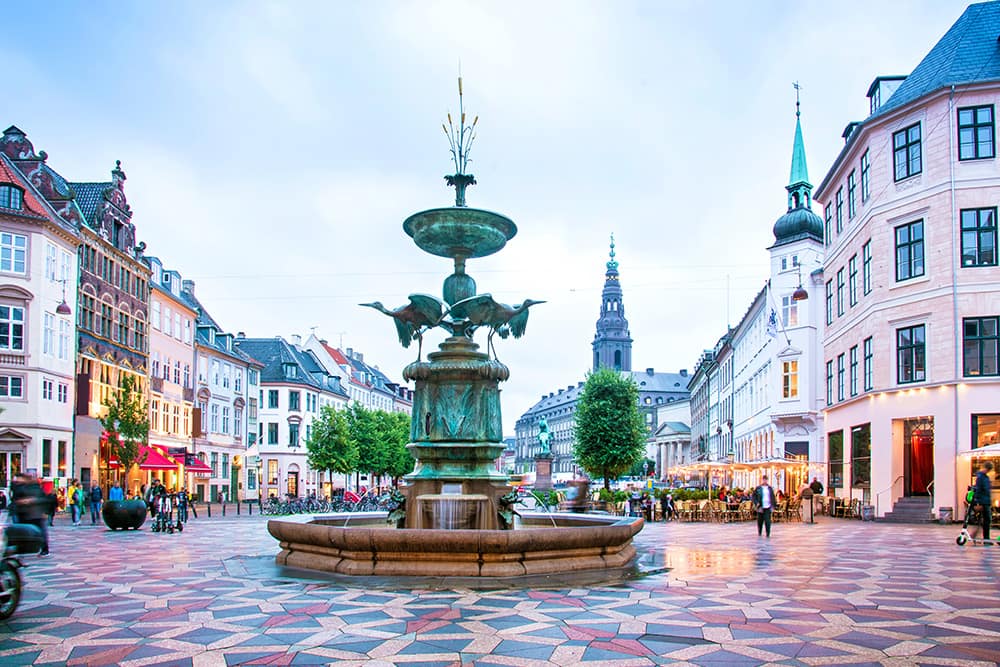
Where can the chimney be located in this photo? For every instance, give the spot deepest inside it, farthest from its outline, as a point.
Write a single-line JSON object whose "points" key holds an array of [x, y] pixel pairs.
{"points": [[551, 394], [296, 340], [240, 335], [188, 287], [684, 372], [649, 372], [350, 353], [361, 357], [322, 341], [579, 384]]}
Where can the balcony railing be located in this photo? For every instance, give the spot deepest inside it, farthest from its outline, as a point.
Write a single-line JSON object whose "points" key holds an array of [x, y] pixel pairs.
{"points": [[189, 394], [156, 384], [12, 360]]}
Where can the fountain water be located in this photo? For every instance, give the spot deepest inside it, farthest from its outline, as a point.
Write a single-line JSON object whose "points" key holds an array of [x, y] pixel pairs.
{"points": [[455, 497]]}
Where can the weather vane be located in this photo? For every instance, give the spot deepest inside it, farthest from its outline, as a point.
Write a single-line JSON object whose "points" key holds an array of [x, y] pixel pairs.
{"points": [[797, 88], [460, 138]]}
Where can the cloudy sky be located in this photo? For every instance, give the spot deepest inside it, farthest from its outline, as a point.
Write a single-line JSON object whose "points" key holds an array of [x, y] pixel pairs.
{"points": [[273, 149]]}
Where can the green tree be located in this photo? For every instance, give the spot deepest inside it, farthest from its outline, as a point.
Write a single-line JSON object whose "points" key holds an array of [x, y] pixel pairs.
{"points": [[127, 425], [610, 437], [362, 424], [395, 431], [330, 448], [636, 469]]}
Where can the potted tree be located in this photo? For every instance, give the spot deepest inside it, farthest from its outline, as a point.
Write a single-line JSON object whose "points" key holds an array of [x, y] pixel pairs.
{"points": [[126, 427]]}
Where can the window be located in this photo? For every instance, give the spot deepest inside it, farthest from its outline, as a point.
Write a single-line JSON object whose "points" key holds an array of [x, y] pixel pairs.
{"points": [[11, 197], [910, 359], [177, 421], [47, 386], [237, 422], [829, 383], [828, 216], [187, 375], [789, 311], [215, 372], [789, 379], [840, 210], [87, 309], [840, 377], [252, 409], [13, 252], [852, 280], [46, 458], [50, 261], [168, 327], [979, 341], [854, 370], [852, 190], [49, 334], [63, 393], [225, 419], [272, 471], [829, 302], [11, 386], [840, 291], [177, 372], [835, 452], [227, 371], [910, 250], [979, 237], [272, 399], [251, 478], [215, 464], [906, 152], [187, 331], [156, 315], [237, 380], [975, 132], [11, 328], [214, 423], [865, 177], [293, 400], [272, 433], [64, 336], [293, 435], [866, 347], [866, 267], [177, 325], [861, 456]]}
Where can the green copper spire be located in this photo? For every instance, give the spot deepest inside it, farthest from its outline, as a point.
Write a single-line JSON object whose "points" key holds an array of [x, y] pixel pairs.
{"points": [[800, 174], [613, 263]]}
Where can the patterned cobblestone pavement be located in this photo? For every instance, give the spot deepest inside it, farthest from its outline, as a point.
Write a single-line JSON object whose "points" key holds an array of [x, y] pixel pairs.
{"points": [[839, 592]]}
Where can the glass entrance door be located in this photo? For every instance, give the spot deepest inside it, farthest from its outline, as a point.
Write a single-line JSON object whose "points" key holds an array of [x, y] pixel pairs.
{"points": [[10, 467]]}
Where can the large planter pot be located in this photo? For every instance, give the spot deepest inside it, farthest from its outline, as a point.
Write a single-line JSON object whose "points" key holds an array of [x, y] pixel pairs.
{"points": [[124, 514]]}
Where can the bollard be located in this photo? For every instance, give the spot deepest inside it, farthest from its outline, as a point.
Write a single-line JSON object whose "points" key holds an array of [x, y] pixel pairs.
{"points": [[209, 506], [250, 509], [237, 508], [223, 508]]}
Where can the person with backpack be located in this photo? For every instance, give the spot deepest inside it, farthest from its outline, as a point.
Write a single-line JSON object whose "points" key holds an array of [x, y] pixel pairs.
{"points": [[981, 497], [96, 498], [74, 498]]}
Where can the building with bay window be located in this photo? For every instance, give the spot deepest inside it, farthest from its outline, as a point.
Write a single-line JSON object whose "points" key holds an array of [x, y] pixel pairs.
{"points": [[38, 266], [912, 284]]}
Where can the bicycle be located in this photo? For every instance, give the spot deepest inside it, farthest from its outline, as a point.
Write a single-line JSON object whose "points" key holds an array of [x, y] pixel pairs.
{"points": [[18, 539]]}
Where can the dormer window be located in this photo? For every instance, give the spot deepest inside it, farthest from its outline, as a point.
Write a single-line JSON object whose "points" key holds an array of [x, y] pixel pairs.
{"points": [[11, 197], [290, 370]]}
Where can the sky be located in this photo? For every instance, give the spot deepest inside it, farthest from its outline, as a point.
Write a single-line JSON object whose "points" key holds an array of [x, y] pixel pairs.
{"points": [[273, 150]]}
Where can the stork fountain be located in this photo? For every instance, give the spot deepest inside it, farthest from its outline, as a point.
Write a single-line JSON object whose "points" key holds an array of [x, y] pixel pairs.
{"points": [[456, 505]]}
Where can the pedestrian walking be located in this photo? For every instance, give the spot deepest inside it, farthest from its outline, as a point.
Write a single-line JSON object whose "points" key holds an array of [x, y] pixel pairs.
{"points": [[3, 503], [74, 497], [116, 492], [29, 502], [764, 502], [52, 505], [981, 497], [667, 504], [96, 498]]}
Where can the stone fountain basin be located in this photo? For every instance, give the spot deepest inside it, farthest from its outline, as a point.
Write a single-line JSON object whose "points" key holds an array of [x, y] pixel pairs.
{"points": [[542, 544], [460, 231]]}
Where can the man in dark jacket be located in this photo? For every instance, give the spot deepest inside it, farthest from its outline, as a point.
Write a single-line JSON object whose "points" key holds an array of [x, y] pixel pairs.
{"points": [[981, 496], [764, 501], [96, 498], [29, 499]]}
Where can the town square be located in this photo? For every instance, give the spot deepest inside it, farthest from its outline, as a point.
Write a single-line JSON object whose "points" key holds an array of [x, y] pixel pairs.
{"points": [[287, 377]]}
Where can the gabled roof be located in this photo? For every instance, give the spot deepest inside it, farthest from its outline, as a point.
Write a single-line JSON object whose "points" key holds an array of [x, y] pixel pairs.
{"points": [[89, 197], [275, 353], [967, 53], [31, 205]]}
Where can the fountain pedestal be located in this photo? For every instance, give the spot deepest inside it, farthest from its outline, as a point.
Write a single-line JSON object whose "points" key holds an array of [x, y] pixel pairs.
{"points": [[543, 472], [456, 430]]}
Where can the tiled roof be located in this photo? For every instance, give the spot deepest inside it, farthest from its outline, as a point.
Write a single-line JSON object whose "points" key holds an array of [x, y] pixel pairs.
{"points": [[274, 353], [89, 197], [32, 207], [967, 53]]}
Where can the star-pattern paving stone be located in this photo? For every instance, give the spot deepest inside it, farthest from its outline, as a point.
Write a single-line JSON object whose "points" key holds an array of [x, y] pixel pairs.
{"points": [[839, 592]]}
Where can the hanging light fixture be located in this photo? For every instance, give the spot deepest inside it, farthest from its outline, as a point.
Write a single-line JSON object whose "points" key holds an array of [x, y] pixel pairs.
{"points": [[800, 294], [63, 308]]}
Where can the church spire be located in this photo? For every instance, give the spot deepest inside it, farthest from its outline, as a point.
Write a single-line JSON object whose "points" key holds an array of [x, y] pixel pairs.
{"points": [[612, 342], [799, 188]]}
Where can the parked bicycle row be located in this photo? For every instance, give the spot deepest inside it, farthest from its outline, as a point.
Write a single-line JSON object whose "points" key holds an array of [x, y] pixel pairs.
{"points": [[346, 502]]}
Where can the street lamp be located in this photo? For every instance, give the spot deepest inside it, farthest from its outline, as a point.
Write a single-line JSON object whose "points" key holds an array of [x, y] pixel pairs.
{"points": [[259, 480], [800, 294], [63, 308], [645, 468]]}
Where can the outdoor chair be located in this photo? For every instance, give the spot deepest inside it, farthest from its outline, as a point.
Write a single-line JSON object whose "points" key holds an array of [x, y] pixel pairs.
{"points": [[794, 512], [855, 511], [780, 512], [746, 511]]}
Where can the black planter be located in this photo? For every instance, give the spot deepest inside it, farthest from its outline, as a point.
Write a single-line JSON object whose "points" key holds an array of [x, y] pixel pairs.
{"points": [[124, 514]]}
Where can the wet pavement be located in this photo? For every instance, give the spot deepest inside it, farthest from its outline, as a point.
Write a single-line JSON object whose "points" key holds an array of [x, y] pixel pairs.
{"points": [[838, 592]]}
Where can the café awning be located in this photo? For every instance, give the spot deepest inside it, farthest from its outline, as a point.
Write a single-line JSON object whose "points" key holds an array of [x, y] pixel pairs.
{"points": [[198, 467], [988, 450], [151, 459]]}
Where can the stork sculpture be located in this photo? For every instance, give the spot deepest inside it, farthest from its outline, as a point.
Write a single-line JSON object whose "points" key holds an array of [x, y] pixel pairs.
{"points": [[482, 310], [412, 320]]}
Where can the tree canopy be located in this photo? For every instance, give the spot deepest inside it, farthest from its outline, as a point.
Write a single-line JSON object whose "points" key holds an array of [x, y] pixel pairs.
{"points": [[330, 447], [610, 436], [381, 439], [126, 424]]}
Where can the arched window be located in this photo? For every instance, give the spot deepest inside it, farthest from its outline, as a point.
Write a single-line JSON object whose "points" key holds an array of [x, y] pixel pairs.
{"points": [[618, 360]]}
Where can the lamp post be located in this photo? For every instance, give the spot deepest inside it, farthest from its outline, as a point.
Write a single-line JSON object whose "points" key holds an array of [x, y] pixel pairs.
{"points": [[259, 479]]}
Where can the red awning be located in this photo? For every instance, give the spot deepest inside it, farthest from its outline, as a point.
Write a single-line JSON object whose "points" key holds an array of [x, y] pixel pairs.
{"points": [[198, 467], [154, 460]]}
